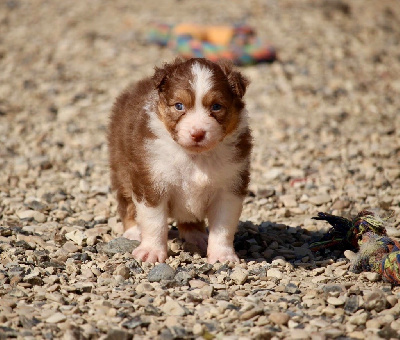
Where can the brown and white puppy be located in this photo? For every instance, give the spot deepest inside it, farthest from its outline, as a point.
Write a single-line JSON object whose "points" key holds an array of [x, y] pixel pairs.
{"points": [[180, 146]]}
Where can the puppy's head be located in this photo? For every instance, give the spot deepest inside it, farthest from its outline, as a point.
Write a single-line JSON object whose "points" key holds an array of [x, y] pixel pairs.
{"points": [[200, 102]]}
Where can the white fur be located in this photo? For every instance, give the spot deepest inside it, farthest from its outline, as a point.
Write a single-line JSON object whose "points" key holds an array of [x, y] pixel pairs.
{"points": [[191, 181], [195, 186], [152, 222], [133, 233], [201, 84], [198, 118], [223, 216]]}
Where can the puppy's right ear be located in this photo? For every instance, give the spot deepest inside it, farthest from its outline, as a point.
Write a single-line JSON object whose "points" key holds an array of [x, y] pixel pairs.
{"points": [[161, 74], [159, 78]]}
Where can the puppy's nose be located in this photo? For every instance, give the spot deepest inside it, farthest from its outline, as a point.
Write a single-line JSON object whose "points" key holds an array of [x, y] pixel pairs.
{"points": [[197, 135]]}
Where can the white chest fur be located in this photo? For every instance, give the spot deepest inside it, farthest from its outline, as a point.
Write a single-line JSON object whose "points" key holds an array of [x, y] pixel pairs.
{"points": [[190, 181]]}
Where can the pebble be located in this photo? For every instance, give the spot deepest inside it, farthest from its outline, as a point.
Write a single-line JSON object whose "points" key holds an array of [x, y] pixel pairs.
{"points": [[350, 255], [340, 205], [319, 199], [291, 288], [372, 276], [352, 304], [239, 276], [251, 313], [39, 217], [299, 334], [197, 329], [77, 236], [7, 302], [160, 272], [336, 301], [123, 271], [197, 283], [358, 319], [279, 318], [288, 201], [26, 214], [207, 291], [70, 247], [56, 318], [173, 308], [144, 287], [357, 335], [119, 245], [375, 300], [119, 334], [274, 272], [392, 300]]}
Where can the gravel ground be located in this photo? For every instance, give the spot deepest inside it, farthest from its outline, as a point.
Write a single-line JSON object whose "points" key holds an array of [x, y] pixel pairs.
{"points": [[326, 122]]}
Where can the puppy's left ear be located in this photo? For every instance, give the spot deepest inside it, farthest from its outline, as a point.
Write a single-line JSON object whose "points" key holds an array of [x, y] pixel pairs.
{"points": [[236, 80]]}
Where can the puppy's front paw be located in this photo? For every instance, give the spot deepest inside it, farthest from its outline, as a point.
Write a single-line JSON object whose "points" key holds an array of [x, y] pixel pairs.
{"points": [[133, 233], [222, 254], [151, 254]]}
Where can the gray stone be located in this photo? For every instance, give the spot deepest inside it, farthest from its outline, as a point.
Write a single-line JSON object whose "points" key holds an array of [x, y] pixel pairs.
{"points": [[118, 245], [352, 304], [137, 321], [160, 272], [118, 334], [375, 300], [291, 288], [183, 278], [333, 288]]}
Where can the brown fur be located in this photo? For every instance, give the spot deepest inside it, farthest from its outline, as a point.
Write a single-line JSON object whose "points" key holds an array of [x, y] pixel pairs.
{"points": [[128, 128], [200, 226], [243, 147]]}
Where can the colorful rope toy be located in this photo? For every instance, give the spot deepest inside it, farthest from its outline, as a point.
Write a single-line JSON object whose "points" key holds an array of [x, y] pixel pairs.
{"points": [[237, 43], [365, 233]]}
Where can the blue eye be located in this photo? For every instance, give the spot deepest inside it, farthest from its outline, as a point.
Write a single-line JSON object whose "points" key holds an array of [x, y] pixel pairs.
{"points": [[216, 107], [179, 106]]}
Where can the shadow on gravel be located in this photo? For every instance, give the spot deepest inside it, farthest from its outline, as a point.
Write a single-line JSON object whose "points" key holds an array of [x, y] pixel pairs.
{"points": [[268, 241]]}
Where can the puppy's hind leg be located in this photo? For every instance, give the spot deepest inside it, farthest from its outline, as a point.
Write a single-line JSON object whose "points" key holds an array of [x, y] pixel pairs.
{"points": [[127, 212]]}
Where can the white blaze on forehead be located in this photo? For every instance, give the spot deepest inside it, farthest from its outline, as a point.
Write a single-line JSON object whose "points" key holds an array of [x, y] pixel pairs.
{"points": [[202, 82]]}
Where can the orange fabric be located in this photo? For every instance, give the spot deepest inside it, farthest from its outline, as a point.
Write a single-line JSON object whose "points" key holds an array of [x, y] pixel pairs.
{"points": [[221, 35]]}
